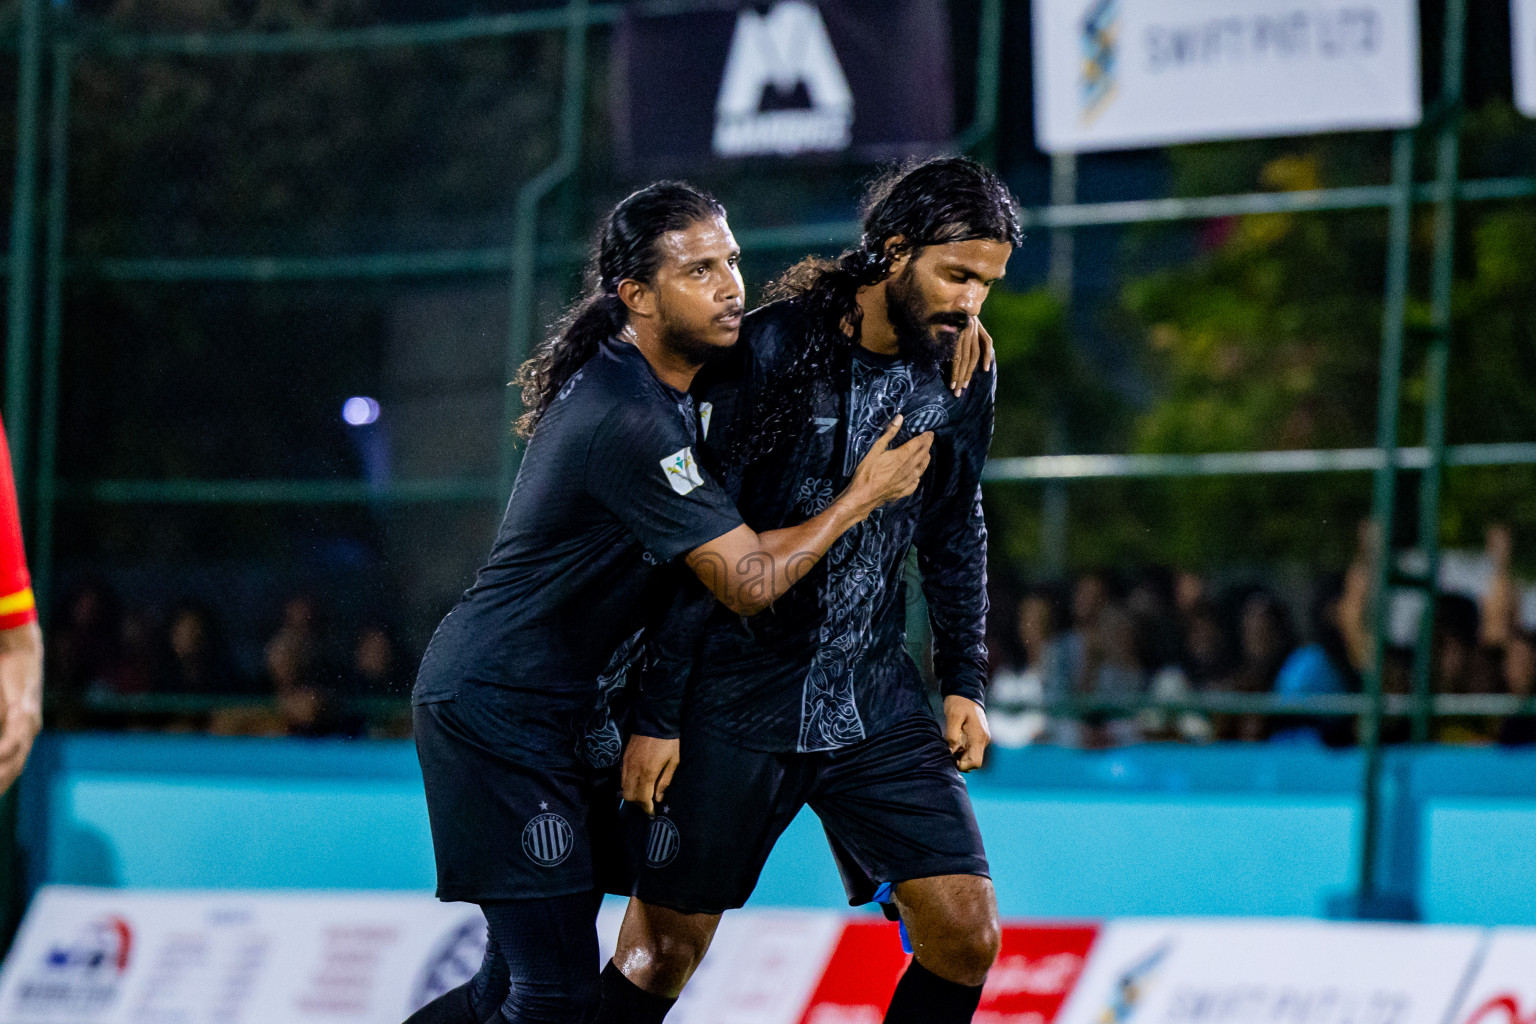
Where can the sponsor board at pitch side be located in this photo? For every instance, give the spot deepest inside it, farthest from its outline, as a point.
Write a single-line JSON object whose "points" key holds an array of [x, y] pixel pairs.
{"points": [[103, 956], [1035, 970], [1503, 989], [1207, 971], [1119, 74]]}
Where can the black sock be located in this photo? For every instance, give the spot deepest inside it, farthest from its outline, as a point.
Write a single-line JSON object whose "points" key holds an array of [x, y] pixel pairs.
{"points": [[624, 1002], [923, 997], [452, 1007]]}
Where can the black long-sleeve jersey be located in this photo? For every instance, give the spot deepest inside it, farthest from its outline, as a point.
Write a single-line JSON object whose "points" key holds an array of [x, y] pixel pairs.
{"points": [[827, 665], [607, 496]]}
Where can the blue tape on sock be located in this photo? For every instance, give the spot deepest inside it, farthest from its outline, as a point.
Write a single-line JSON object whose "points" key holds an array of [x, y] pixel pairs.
{"points": [[885, 894]]}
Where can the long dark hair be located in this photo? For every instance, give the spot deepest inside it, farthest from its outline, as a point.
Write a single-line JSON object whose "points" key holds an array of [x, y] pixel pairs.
{"points": [[625, 250], [931, 202]]}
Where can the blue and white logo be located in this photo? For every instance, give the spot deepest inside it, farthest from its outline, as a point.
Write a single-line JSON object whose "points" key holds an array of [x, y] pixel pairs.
{"points": [[663, 843], [1099, 41], [548, 839]]}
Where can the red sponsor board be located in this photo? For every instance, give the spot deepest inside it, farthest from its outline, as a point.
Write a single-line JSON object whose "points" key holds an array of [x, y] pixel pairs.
{"points": [[1033, 975]]}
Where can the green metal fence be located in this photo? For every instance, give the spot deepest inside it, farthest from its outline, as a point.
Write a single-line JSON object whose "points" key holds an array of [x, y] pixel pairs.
{"points": [[48, 48]]}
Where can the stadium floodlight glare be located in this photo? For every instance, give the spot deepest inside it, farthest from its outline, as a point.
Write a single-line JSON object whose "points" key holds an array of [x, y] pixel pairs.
{"points": [[359, 411]]}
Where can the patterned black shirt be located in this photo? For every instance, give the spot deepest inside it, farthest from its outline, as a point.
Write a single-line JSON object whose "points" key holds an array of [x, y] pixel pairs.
{"points": [[827, 665]]}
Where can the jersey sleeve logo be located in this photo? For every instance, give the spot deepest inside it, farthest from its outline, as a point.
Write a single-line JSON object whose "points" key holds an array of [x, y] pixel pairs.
{"points": [[681, 471]]}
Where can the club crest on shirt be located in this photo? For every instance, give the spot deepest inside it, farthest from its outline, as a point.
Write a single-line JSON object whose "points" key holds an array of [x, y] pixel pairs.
{"points": [[548, 839], [682, 471]]}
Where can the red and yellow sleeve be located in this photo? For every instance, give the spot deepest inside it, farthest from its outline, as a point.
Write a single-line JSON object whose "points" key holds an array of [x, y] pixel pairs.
{"points": [[17, 606]]}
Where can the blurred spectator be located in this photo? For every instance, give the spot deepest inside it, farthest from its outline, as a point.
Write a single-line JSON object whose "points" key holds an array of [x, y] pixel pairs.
{"points": [[84, 645], [376, 662], [1208, 657], [1265, 639], [301, 681], [1114, 670], [1044, 675], [200, 658], [1320, 667], [1090, 596], [1460, 664], [1501, 601], [1162, 602], [1519, 680]]}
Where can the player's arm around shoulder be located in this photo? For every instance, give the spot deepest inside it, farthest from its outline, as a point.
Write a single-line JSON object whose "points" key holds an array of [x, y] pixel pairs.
{"points": [[953, 549]]}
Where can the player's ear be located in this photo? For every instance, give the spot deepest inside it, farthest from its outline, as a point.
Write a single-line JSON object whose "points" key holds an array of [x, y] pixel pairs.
{"points": [[638, 297], [896, 245]]}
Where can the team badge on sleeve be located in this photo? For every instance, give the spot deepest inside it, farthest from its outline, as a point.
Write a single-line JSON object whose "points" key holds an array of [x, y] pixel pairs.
{"points": [[682, 471]]}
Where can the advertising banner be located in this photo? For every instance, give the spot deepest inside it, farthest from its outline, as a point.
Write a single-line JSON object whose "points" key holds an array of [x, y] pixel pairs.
{"points": [[103, 956], [1503, 991], [1034, 973], [1522, 24], [1121, 74], [1186, 971], [866, 78]]}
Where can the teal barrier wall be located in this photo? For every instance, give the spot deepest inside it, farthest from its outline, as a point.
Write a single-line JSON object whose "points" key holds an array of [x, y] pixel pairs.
{"points": [[1250, 830]]}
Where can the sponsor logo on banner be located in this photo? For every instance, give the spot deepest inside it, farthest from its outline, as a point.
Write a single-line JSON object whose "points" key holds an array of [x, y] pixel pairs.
{"points": [[1132, 986], [1035, 971], [1297, 972], [100, 956], [1112, 74], [784, 91], [1101, 32], [80, 975], [1504, 989]]}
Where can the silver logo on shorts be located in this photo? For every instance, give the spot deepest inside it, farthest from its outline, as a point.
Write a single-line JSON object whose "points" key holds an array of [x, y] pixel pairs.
{"points": [[547, 840], [662, 844]]}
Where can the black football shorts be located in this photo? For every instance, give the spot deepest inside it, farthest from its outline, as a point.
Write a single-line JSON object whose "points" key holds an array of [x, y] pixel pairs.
{"points": [[511, 821], [894, 808]]}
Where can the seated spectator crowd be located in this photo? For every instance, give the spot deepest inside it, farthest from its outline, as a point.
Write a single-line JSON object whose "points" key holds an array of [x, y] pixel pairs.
{"points": [[137, 668], [1070, 662], [1163, 634]]}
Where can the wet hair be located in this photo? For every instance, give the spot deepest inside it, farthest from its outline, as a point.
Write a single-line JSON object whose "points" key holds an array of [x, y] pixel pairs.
{"points": [[931, 202], [626, 250]]}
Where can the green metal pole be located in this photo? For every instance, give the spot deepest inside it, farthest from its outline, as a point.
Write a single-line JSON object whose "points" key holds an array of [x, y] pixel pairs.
{"points": [[53, 324], [979, 138], [1055, 503], [520, 327], [1437, 364], [1383, 499], [18, 354]]}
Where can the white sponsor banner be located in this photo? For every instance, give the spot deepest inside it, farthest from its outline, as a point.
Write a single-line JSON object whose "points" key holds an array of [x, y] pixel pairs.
{"points": [[1504, 989], [761, 969], [110, 956], [1184, 971], [1522, 19], [1119, 74], [104, 956]]}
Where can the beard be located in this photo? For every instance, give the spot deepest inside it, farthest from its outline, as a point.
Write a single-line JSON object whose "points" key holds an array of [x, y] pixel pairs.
{"points": [[913, 323], [691, 346]]}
